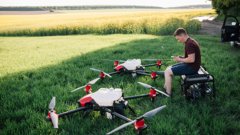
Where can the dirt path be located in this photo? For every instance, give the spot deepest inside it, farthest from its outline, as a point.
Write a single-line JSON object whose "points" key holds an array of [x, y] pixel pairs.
{"points": [[209, 25]]}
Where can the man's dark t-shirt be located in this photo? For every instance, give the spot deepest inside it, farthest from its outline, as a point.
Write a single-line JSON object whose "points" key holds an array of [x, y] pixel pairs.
{"points": [[191, 46]]}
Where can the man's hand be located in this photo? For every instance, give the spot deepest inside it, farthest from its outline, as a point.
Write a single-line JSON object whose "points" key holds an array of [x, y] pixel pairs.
{"points": [[177, 59], [189, 59]]}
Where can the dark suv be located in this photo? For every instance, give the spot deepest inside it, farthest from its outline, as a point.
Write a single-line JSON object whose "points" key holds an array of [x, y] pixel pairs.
{"points": [[230, 31]]}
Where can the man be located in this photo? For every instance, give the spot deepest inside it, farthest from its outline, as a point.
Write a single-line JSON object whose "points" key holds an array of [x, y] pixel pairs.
{"points": [[187, 65]]}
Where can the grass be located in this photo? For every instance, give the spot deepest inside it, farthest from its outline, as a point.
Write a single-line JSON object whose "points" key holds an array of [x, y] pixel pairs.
{"points": [[35, 52], [101, 22], [25, 94]]}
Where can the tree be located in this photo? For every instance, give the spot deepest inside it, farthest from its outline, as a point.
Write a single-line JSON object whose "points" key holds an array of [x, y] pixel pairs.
{"points": [[227, 7]]}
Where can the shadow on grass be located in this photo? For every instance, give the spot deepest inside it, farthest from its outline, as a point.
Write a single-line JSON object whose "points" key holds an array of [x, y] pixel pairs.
{"points": [[25, 96]]}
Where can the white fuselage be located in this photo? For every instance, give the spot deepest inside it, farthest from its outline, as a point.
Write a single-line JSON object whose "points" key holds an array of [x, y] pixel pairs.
{"points": [[106, 96], [132, 64]]}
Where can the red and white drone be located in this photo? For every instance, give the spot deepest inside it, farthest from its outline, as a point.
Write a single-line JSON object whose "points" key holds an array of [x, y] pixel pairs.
{"points": [[109, 101], [132, 66]]}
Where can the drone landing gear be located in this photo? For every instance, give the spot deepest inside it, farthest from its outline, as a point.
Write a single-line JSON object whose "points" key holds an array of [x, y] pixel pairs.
{"points": [[134, 75], [132, 110], [153, 99], [140, 132], [109, 116]]}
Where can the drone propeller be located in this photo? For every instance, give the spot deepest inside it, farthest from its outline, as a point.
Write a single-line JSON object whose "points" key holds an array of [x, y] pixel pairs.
{"points": [[91, 82], [154, 59], [145, 85], [121, 127], [147, 115], [52, 104], [97, 70], [149, 87], [153, 112], [149, 59], [53, 115], [114, 60]]}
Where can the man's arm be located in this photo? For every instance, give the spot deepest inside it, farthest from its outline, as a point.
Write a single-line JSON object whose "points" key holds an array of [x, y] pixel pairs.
{"points": [[189, 59]]}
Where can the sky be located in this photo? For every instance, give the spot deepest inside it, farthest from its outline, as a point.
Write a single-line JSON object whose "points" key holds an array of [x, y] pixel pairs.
{"points": [[159, 3]]}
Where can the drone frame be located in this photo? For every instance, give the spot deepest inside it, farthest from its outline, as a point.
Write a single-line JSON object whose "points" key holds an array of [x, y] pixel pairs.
{"points": [[139, 125]]}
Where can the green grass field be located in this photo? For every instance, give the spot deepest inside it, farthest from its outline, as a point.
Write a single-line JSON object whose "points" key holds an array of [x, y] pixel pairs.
{"points": [[37, 68], [35, 52]]}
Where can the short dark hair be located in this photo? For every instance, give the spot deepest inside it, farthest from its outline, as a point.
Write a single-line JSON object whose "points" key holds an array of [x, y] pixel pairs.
{"points": [[180, 31]]}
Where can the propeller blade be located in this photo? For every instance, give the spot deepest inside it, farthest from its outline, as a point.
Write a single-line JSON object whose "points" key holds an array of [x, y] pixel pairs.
{"points": [[153, 112], [93, 81], [121, 127], [108, 60], [107, 74], [165, 59], [94, 69], [54, 119], [121, 60], [114, 60], [159, 91], [149, 59], [78, 88], [146, 115], [149, 86], [145, 85], [52, 103]]}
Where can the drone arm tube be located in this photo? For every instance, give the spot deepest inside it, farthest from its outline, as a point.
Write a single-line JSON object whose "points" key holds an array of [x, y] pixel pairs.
{"points": [[112, 73], [118, 115], [149, 65], [72, 111], [143, 73], [137, 96], [160, 72]]}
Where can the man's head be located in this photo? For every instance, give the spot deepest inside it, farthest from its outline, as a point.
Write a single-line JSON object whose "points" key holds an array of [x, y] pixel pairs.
{"points": [[181, 35]]}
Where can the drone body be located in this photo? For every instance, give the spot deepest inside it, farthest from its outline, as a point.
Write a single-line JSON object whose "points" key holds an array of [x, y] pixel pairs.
{"points": [[103, 97], [109, 101], [131, 66]]}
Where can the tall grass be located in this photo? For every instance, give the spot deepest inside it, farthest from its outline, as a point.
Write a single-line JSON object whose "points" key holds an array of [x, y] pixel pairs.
{"points": [[129, 27], [162, 22]]}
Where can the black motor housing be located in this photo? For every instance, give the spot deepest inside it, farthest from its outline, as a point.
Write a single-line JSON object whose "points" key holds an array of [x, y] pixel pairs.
{"points": [[119, 106], [198, 90], [198, 85]]}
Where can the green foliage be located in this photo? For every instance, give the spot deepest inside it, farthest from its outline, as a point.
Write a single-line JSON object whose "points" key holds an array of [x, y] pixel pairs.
{"points": [[227, 7], [170, 26], [25, 95], [193, 26]]}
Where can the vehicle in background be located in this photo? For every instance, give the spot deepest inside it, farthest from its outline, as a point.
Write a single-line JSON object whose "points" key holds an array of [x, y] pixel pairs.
{"points": [[230, 31]]}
